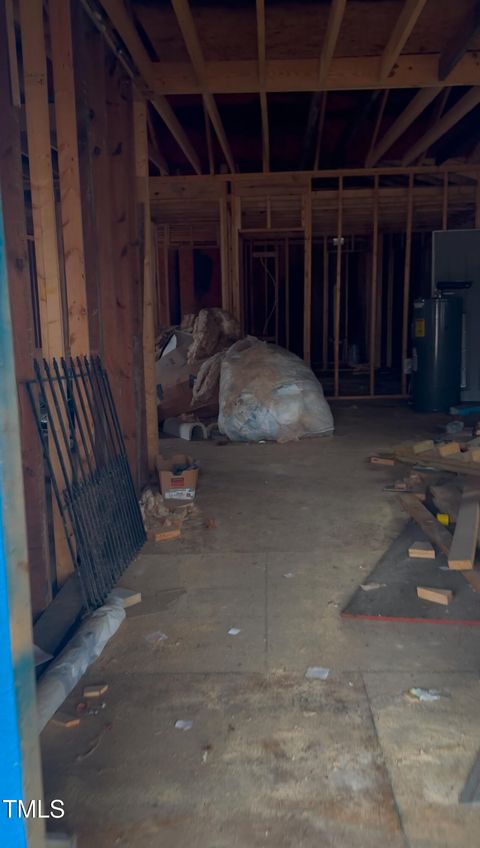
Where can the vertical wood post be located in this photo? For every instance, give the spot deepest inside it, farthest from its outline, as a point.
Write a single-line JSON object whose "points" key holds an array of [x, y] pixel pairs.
{"points": [[287, 293], [373, 290], [406, 280], [145, 232], [24, 343], [307, 277], [70, 196], [325, 305], [390, 277], [445, 202], [236, 209], [338, 281], [225, 253], [44, 219], [41, 177]]}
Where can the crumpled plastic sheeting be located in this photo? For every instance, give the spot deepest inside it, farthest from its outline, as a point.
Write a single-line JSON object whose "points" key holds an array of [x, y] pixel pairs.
{"points": [[71, 664], [268, 393]]}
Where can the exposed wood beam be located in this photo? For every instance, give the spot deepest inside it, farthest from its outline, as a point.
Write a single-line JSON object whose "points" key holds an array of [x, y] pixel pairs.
{"points": [[460, 42], [41, 178], [439, 110], [125, 27], [405, 23], [140, 126], [416, 106], [335, 17], [452, 117], [155, 153], [68, 167], [378, 124], [316, 104], [347, 73], [208, 136], [190, 36], [321, 123], [307, 277], [262, 77]]}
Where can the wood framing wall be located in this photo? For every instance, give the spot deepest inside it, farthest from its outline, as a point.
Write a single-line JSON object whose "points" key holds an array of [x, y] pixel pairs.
{"points": [[82, 196], [327, 206]]}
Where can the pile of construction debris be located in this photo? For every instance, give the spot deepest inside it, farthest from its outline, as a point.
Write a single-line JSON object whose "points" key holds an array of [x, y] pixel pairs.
{"points": [[442, 495], [256, 391], [188, 360]]}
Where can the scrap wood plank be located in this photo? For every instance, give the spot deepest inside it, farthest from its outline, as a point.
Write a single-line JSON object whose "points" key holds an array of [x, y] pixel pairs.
{"points": [[432, 459], [464, 544], [437, 534]]}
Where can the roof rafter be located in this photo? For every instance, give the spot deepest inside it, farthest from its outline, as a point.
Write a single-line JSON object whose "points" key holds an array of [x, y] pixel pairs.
{"points": [[125, 27], [460, 42], [260, 5], [452, 117], [188, 29], [402, 29], [335, 17], [411, 112]]}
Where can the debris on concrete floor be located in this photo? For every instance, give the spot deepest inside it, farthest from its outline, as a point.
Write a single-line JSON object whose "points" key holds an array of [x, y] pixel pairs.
{"points": [[127, 597], [95, 690], [435, 596], [421, 550], [234, 631], [425, 695], [183, 724], [317, 672]]}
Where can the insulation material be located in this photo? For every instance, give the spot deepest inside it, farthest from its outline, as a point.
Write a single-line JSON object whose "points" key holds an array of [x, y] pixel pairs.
{"points": [[206, 385], [268, 393], [82, 650], [214, 330]]}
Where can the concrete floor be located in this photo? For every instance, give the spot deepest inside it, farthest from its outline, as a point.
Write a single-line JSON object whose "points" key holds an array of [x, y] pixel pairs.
{"points": [[274, 759]]}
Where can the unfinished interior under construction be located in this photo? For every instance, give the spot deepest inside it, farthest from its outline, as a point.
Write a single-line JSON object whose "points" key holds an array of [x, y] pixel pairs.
{"points": [[240, 423]]}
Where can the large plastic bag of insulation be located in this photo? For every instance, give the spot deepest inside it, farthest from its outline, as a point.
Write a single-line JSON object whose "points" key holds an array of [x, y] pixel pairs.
{"points": [[268, 393]]}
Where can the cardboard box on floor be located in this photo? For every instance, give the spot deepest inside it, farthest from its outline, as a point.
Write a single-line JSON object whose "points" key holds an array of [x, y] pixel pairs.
{"points": [[182, 485]]}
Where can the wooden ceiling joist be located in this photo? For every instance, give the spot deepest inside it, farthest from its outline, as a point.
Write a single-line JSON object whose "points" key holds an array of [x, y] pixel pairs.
{"points": [[123, 23], [416, 106], [335, 17], [460, 42], [260, 6], [405, 22], [466, 103], [347, 73], [190, 36]]}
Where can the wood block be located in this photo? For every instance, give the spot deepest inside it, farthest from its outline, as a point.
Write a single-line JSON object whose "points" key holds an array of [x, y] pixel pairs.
{"points": [[96, 690], [127, 597], [464, 543], [472, 455], [448, 448], [436, 596], [421, 447], [163, 535], [421, 550], [65, 720], [437, 534], [382, 460]]}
